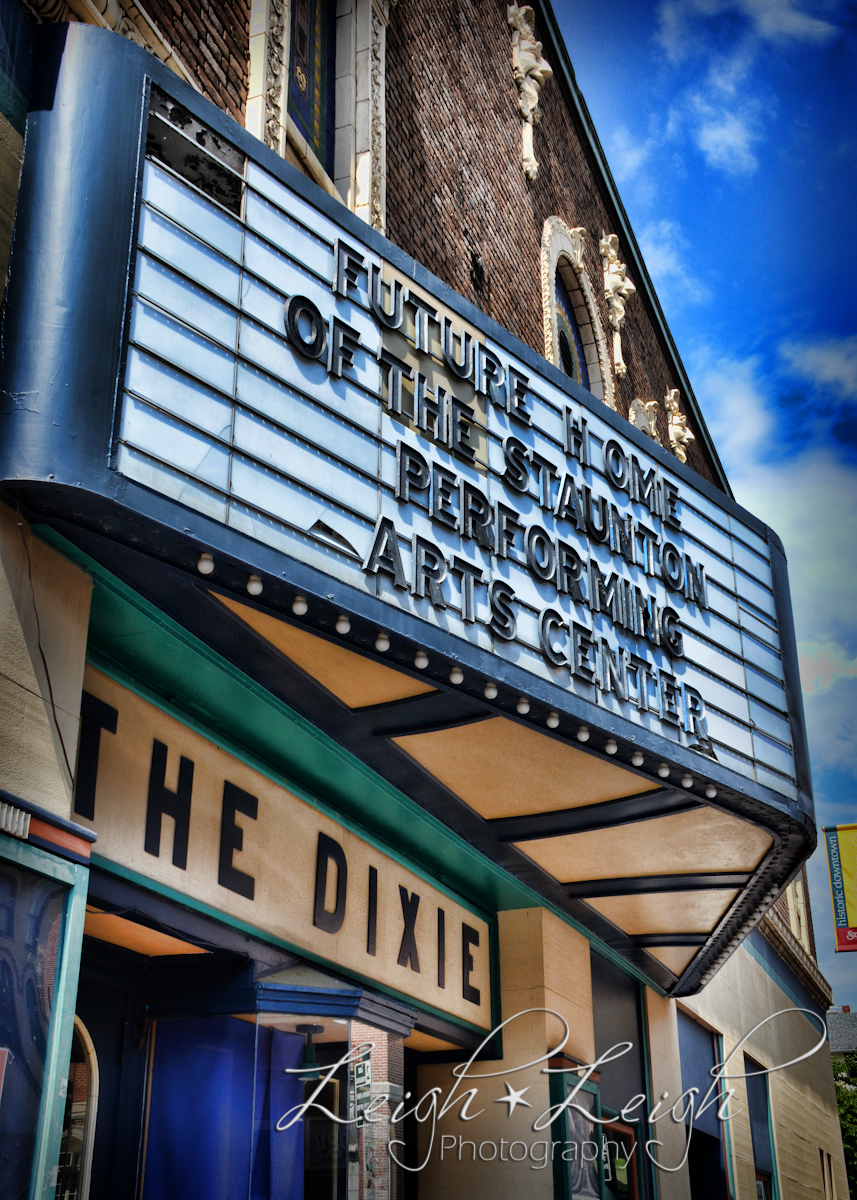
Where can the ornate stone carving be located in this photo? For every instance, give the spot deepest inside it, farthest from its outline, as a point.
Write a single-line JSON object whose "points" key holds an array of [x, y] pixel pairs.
{"points": [[680, 435], [377, 71], [124, 18], [644, 416], [51, 10], [617, 288], [531, 72], [275, 57]]}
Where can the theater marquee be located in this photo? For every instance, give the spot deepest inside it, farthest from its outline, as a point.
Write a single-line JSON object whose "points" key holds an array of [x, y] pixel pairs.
{"points": [[289, 382]]}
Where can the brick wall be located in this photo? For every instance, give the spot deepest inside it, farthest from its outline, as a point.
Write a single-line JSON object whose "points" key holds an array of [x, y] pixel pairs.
{"points": [[213, 42], [457, 196]]}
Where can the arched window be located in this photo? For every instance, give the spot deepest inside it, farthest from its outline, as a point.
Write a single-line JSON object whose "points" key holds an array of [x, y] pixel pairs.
{"points": [[574, 336], [81, 1105], [571, 356]]}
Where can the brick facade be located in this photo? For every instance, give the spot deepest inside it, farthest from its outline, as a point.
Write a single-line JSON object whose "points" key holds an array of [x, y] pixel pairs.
{"points": [[457, 196], [212, 38], [380, 1178]]}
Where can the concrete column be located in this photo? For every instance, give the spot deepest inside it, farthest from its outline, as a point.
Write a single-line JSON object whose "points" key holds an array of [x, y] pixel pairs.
{"points": [[544, 963], [665, 1066], [44, 622]]}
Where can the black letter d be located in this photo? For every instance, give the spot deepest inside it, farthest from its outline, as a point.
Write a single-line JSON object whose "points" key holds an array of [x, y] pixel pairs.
{"points": [[328, 849]]}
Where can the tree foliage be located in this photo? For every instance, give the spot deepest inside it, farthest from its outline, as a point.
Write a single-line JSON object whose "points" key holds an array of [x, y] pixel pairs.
{"points": [[845, 1075]]}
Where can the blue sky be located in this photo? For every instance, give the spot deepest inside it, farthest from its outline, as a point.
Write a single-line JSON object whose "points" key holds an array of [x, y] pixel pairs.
{"points": [[731, 129]]}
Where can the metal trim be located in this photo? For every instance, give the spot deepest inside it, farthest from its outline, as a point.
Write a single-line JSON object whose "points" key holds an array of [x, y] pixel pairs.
{"points": [[637, 885], [645, 806]]}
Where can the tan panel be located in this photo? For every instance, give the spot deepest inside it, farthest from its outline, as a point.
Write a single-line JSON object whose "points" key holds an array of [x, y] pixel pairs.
{"points": [[702, 840], [425, 1042], [546, 965], [503, 769], [270, 883], [666, 912], [353, 679], [674, 958], [120, 932]]}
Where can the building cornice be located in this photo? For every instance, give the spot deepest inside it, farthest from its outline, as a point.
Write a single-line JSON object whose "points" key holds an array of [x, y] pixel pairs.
{"points": [[777, 934]]}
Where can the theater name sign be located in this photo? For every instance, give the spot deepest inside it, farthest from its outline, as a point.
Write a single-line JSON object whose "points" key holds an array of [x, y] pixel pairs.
{"points": [[230, 363]]}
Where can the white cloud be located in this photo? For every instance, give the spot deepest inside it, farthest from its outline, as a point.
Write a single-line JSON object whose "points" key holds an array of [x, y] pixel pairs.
{"points": [[681, 23], [823, 664], [811, 501], [665, 250], [627, 153], [736, 407], [726, 140], [781, 20], [831, 725], [725, 119], [832, 361]]}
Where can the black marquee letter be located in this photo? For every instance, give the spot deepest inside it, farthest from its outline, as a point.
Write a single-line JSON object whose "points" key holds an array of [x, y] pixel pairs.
{"points": [[300, 308], [408, 949], [385, 555], [469, 937], [174, 804], [441, 948], [372, 922], [328, 849], [232, 839], [95, 715]]}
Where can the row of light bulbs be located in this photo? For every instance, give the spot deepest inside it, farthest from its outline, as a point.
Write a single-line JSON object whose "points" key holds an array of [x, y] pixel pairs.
{"points": [[456, 677], [254, 585], [736, 940], [205, 566]]}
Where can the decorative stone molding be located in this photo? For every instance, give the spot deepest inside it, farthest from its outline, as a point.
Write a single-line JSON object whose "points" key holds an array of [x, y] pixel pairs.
{"points": [[617, 288], [777, 934], [276, 73], [377, 208], [562, 250], [680, 435], [644, 416], [128, 19], [531, 72]]}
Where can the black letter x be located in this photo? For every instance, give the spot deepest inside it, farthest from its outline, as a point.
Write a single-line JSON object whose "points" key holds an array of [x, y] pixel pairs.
{"points": [[408, 950]]}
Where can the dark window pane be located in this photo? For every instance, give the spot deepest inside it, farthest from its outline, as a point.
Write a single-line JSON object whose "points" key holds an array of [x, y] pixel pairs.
{"points": [[31, 909]]}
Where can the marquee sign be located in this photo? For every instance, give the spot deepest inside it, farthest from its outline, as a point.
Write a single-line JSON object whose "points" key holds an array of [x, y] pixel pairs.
{"points": [[179, 811], [288, 381]]}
